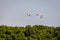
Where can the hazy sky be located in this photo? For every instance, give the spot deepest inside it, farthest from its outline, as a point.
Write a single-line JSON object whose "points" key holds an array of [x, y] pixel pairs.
{"points": [[12, 12]]}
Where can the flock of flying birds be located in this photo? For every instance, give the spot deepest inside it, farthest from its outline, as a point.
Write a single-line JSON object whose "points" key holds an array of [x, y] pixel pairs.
{"points": [[38, 14]]}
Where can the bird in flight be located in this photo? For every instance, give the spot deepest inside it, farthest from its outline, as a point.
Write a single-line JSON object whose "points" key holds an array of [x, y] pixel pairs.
{"points": [[40, 15], [28, 14]]}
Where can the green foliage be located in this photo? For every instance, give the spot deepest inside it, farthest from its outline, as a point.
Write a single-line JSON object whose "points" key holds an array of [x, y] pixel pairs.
{"points": [[36, 32]]}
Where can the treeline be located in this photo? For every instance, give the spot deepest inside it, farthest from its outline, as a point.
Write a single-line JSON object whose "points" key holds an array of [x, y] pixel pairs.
{"points": [[36, 32]]}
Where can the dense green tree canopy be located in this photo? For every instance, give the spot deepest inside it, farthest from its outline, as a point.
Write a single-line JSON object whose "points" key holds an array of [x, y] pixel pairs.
{"points": [[36, 32]]}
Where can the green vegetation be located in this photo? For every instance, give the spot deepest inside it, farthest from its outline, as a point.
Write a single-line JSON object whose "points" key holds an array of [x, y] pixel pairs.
{"points": [[36, 32]]}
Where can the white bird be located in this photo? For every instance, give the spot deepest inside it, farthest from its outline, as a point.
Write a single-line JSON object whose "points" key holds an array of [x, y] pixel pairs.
{"points": [[41, 16], [28, 14]]}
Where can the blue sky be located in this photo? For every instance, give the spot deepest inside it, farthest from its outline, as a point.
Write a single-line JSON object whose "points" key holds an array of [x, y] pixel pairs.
{"points": [[12, 12]]}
